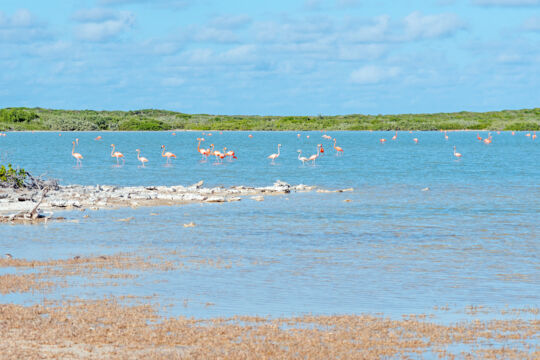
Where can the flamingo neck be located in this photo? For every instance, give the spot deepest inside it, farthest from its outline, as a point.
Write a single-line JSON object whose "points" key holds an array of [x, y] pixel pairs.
{"points": [[112, 152], [162, 151], [278, 149], [139, 155], [73, 150]]}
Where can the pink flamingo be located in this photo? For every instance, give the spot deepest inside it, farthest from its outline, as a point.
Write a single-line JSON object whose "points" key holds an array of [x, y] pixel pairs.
{"points": [[117, 155], [303, 159], [98, 138], [513, 133], [445, 135], [314, 157], [382, 141], [395, 136], [275, 156], [534, 135], [488, 139], [77, 156], [167, 154], [415, 140], [456, 154], [201, 151], [339, 150], [143, 160], [230, 154]]}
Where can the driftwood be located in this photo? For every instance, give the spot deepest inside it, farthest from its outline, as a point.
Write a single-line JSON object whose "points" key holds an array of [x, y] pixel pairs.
{"points": [[29, 215]]}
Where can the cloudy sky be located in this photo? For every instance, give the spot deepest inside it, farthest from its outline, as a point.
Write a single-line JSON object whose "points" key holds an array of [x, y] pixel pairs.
{"points": [[271, 57]]}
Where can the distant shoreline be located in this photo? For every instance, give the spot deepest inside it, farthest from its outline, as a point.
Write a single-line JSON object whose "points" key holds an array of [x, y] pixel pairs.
{"points": [[38, 119]]}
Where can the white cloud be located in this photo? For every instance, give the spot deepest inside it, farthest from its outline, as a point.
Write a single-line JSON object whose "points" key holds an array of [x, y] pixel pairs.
{"points": [[532, 23], [102, 24], [209, 34], [178, 4], [230, 21], [506, 2], [419, 26], [377, 30], [347, 3], [22, 26], [373, 74], [95, 15], [173, 81]]}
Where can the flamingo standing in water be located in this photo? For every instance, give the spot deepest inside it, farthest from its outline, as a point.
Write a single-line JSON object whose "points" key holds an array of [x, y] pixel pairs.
{"points": [[415, 140], [382, 141], [230, 154], [303, 159], [456, 154], [98, 138], [534, 135], [314, 157], [478, 136], [339, 150], [445, 135], [167, 154], [275, 156], [395, 136], [488, 139], [117, 155], [77, 156], [142, 159], [201, 151]]}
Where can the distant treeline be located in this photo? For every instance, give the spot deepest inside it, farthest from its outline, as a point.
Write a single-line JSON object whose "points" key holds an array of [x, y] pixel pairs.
{"points": [[151, 120]]}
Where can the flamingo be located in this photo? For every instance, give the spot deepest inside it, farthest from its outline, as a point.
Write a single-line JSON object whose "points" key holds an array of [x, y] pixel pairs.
{"points": [[303, 159], [117, 155], [98, 138], [534, 135], [528, 134], [143, 160], [250, 136], [314, 157], [488, 139], [208, 152], [167, 154], [395, 136], [322, 150], [513, 133], [445, 135], [275, 156], [230, 153], [201, 151], [338, 149], [456, 154], [328, 137], [478, 136], [77, 156], [382, 141], [217, 154], [415, 140]]}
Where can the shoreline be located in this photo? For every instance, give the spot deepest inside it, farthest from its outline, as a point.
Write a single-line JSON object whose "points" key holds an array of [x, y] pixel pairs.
{"points": [[82, 197]]}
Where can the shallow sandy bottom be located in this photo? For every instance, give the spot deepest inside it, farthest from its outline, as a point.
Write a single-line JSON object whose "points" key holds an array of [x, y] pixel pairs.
{"points": [[129, 328]]}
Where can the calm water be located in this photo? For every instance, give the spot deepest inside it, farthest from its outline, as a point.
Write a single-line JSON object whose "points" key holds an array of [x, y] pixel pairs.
{"points": [[472, 239]]}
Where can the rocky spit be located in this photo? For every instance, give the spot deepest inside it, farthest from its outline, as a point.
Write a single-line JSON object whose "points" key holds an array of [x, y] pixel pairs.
{"points": [[14, 203]]}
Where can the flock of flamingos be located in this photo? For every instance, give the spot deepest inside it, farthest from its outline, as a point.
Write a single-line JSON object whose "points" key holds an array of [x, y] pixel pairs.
{"points": [[205, 153], [230, 154], [220, 155]]}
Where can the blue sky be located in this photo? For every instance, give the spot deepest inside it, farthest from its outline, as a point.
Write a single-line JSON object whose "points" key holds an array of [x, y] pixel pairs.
{"points": [[271, 57]]}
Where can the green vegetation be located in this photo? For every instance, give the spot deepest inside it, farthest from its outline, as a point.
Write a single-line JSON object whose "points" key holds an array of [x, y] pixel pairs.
{"points": [[152, 120], [11, 177]]}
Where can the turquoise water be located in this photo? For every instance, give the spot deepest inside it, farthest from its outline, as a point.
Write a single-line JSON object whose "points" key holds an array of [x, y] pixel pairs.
{"points": [[472, 239]]}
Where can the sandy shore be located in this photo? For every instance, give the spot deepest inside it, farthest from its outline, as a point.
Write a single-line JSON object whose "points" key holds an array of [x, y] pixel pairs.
{"points": [[106, 196]]}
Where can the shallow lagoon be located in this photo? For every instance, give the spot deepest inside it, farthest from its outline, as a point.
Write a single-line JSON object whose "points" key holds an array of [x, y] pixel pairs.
{"points": [[472, 239]]}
